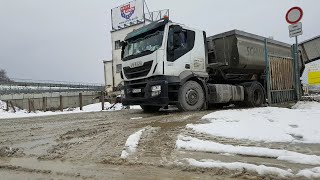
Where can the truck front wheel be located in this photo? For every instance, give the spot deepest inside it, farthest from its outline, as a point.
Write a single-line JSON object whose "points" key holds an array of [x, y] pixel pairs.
{"points": [[191, 97], [150, 109]]}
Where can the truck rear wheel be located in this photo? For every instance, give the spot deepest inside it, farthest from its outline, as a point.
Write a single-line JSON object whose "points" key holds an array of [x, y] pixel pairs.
{"points": [[254, 95], [150, 109], [191, 97]]}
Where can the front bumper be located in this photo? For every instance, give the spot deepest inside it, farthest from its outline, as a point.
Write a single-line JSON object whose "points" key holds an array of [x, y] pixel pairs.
{"points": [[144, 97]]}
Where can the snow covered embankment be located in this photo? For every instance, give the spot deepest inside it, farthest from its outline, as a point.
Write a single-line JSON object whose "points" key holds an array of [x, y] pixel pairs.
{"points": [[271, 124]]}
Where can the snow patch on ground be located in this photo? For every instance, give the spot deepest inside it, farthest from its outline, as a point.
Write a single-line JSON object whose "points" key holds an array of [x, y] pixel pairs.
{"points": [[261, 169], [93, 107], [270, 124], [136, 118], [135, 107], [115, 107], [132, 143], [310, 173], [307, 105], [193, 144], [3, 105], [21, 113]]}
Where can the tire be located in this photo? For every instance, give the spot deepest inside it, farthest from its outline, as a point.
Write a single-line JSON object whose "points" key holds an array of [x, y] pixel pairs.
{"points": [[191, 97], [150, 109], [254, 95]]}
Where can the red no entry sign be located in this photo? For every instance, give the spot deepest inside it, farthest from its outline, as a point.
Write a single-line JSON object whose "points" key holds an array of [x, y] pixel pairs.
{"points": [[294, 15]]}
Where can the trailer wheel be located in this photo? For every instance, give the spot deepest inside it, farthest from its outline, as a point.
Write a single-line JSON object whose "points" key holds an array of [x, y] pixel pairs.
{"points": [[254, 95], [150, 109], [191, 97]]}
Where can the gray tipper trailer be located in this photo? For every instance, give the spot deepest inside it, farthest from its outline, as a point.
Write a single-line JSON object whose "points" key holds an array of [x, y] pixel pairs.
{"points": [[166, 63]]}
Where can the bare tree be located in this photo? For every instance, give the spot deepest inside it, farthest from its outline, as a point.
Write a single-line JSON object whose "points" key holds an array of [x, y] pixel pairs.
{"points": [[3, 75]]}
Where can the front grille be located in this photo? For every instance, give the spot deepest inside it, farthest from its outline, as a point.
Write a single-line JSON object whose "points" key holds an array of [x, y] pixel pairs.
{"points": [[137, 72]]}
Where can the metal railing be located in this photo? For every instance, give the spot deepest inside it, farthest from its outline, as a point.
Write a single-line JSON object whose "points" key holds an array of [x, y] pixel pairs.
{"points": [[156, 15], [27, 86]]}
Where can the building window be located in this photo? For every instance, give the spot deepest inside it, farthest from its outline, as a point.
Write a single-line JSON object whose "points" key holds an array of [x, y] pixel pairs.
{"points": [[118, 68], [117, 44]]}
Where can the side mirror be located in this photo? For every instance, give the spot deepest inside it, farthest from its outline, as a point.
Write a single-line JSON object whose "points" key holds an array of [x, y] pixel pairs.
{"points": [[122, 53], [121, 75], [174, 38], [123, 45]]}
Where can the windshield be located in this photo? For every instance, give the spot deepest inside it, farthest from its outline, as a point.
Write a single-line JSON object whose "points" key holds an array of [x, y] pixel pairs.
{"points": [[143, 45]]}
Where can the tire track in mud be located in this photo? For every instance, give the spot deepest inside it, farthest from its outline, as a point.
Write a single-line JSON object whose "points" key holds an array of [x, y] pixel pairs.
{"points": [[156, 148], [97, 140]]}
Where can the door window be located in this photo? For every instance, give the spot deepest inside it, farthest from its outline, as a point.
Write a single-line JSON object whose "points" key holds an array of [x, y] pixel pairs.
{"points": [[180, 43]]}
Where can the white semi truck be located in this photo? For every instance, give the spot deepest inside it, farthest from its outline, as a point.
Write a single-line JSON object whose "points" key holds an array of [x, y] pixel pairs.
{"points": [[166, 63]]}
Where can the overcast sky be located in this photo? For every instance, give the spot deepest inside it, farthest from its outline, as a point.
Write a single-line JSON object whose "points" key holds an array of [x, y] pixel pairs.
{"points": [[67, 40]]}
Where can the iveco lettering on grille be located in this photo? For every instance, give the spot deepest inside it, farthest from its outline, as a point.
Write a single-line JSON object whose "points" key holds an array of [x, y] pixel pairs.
{"points": [[136, 64]]}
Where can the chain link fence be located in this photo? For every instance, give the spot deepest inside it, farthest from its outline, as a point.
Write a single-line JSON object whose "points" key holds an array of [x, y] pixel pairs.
{"points": [[17, 86]]}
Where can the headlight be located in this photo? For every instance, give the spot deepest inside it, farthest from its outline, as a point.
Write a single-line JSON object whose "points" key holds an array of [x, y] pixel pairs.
{"points": [[154, 94], [155, 90]]}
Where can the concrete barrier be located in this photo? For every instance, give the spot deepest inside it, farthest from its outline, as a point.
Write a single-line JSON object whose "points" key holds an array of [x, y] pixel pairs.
{"points": [[51, 101]]}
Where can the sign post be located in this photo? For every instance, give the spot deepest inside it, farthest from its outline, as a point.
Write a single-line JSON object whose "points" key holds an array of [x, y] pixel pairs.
{"points": [[293, 17]]}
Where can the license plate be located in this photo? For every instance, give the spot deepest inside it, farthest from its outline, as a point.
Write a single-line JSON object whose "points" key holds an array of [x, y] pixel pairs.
{"points": [[135, 91]]}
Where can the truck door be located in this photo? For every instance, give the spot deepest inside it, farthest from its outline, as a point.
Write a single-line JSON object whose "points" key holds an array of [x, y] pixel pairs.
{"points": [[180, 43]]}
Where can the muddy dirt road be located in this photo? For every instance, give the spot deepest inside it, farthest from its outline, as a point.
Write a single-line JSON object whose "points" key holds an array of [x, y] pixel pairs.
{"points": [[89, 145]]}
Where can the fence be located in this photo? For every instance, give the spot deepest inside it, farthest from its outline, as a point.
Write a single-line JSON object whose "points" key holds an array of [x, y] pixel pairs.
{"points": [[283, 84], [156, 15], [50, 101]]}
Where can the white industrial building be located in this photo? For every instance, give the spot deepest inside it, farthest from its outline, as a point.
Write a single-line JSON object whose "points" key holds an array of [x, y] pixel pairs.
{"points": [[125, 19]]}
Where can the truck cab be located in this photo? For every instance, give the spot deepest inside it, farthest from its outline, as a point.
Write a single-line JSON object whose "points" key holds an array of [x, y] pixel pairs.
{"points": [[158, 59]]}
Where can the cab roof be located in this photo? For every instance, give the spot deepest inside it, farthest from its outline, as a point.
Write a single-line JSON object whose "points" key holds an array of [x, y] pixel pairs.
{"points": [[144, 29]]}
